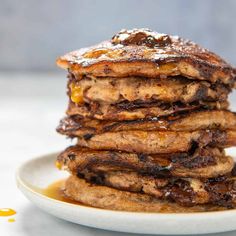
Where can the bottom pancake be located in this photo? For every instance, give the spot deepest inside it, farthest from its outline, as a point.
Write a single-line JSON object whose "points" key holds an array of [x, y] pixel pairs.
{"points": [[184, 191], [113, 199]]}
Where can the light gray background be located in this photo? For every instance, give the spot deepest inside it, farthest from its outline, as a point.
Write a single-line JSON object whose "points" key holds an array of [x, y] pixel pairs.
{"points": [[33, 33]]}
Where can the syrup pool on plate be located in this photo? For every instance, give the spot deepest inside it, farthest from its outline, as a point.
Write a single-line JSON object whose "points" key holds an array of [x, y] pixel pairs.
{"points": [[55, 191]]}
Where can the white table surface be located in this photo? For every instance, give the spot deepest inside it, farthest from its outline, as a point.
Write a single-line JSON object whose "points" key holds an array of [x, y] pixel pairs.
{"points": [[30, 108]]}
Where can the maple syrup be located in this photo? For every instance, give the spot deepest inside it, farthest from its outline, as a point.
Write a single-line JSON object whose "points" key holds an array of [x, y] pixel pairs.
{"points": [[11, 220], [7, 212], [55, 191], [76, 94]]}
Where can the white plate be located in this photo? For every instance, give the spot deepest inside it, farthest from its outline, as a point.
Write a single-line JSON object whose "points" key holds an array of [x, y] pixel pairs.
{"points": [[41, 172]]}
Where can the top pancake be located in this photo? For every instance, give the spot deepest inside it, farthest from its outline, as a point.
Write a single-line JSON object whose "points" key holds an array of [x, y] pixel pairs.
{"points": [[141, 52]]}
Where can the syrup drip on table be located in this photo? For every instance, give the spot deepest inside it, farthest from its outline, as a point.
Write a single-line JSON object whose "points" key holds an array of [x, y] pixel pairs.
{"points": [[11, 220], [5, 212]]}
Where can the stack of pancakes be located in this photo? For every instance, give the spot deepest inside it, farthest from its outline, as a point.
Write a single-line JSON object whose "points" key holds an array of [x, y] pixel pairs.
{"points": [[150, 114]]}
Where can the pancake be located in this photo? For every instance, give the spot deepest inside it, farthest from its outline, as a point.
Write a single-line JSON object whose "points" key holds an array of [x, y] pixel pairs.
{"points": [[184, 191], [73, 126], [114, 199], [132, 89], [152, 142], [141, 52], [201, 163], [137, 110]]}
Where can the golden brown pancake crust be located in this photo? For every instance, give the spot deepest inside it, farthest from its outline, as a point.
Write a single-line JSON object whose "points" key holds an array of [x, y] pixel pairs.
{"points": [[147, 53]]}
